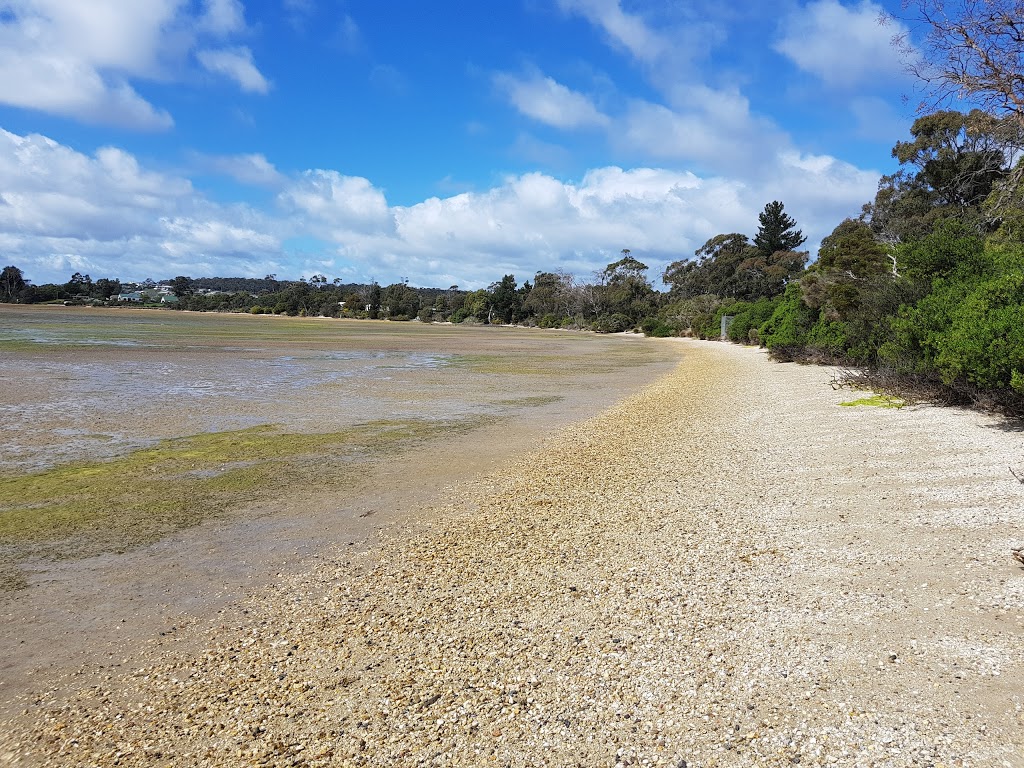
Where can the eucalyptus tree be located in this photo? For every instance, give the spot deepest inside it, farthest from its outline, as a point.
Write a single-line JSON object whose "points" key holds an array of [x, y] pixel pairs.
{"points": [[623, 289], [972, 51], [12, 283], [949, 169]]}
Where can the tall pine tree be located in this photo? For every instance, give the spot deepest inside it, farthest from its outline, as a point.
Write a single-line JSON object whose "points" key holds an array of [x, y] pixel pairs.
{"points": [[776, 232]]}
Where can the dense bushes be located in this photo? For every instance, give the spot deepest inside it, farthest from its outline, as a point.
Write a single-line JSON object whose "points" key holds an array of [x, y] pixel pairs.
{"points": [[612, 324], [949, 317]]}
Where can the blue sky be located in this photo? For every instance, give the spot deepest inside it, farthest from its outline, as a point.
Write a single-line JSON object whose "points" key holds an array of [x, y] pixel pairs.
{"points": [[446, 143]]}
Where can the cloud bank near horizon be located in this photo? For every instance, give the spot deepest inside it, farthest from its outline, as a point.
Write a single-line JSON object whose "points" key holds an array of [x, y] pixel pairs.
{"points": [[108, 215]]}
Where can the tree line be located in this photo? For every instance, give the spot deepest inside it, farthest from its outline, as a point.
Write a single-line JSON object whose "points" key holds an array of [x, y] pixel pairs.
{"points": [[620, 297]]}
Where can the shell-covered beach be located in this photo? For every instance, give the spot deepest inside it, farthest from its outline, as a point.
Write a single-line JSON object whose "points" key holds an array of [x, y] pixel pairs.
{"points": [[726, 568]]}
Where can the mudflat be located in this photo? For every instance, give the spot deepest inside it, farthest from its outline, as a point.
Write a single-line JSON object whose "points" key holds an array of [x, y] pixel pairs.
{"points": [[725, 568], [157, 466]]}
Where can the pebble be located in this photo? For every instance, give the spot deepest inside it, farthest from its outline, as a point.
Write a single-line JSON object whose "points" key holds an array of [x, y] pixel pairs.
{"points": [[666, 584]]}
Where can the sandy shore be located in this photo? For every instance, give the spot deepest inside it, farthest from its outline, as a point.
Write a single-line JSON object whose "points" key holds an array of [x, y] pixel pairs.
{"points": [[725, 569]]}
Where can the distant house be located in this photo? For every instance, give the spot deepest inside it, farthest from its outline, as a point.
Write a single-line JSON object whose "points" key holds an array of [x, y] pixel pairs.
{"points": [[133, 296], [169, 298]]}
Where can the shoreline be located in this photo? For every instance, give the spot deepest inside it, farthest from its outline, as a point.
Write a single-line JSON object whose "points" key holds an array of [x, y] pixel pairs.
{"points": [[726, 568], [97, 611]]}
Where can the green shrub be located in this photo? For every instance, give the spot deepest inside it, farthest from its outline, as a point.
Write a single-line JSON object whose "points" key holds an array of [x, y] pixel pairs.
{"points": [[550, 321], [984, 343], [648, 324], [785, 332], [749, 316], [827, 337], [612, 324], [652, 326]]}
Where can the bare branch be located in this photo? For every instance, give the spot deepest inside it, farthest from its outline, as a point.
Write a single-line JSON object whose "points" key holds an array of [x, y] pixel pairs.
{"points": [[972, 50]]}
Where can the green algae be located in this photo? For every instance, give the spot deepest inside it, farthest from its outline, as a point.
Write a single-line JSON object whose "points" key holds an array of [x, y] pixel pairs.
{"points": [[876, 401], [86, 508]]}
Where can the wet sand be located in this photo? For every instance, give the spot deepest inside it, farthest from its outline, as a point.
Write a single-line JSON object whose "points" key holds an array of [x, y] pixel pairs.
{"points": [[95, 611]]}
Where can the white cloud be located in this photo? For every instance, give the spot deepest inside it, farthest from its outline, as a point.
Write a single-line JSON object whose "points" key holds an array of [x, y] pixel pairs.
{"points": [[534, 221], [235, 64], [252, 169], [79, 59], [332, 203], [826, 188], [66, 87], [222, 17], [625, 29], [108, 214], [186, 237], [714, 129], [550, 102], [72, 58], [843, 46]]}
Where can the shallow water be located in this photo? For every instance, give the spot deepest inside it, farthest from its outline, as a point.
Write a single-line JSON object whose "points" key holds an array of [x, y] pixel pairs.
{"points": [[86, 384]]}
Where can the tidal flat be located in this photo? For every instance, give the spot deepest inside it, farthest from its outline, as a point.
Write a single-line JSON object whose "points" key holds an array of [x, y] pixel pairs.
{"points": [[119, 426], [154, 462]]}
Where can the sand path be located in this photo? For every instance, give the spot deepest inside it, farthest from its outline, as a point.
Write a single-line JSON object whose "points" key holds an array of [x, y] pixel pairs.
{"points": [[725, 569]]}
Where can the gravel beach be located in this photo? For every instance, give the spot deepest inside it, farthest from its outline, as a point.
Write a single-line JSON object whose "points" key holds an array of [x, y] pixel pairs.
{"points": [[727, 568]]}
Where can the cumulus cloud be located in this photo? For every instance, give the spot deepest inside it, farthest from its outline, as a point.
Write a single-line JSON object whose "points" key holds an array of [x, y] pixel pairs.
{"points": [[235, 64], [534, 221], [72, 59], [550, 102], [184, 237], [108, 214], [336, 205], [80, 59], [843, 46]]}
